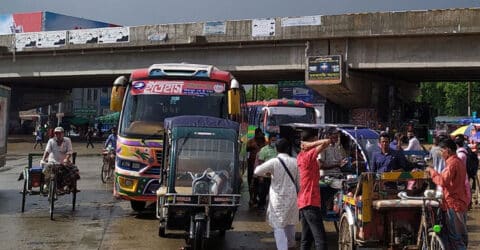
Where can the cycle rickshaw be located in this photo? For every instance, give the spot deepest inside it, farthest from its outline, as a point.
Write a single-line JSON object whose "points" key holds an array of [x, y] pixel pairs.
{"points": [[200, 181], [374, 215], [359, 143], [34, 180]]}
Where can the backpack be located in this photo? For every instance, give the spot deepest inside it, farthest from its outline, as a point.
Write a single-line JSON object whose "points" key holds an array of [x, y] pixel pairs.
{"points": [[472, 163]]}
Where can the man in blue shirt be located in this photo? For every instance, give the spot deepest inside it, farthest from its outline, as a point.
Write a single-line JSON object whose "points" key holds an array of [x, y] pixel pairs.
{"points": [[112, 139], [388, 160]]}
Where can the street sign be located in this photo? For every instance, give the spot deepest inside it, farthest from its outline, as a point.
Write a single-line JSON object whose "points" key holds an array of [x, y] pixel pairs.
{"points": [[324, 70], [84, 112]]}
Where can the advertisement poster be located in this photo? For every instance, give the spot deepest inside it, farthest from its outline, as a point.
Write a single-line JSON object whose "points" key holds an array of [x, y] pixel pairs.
{"points": [[324, 69], [301, 21], [51, 39], [114, 35], [214, 28], [263, 27], [298, 91], [26, 40], [83, 36]]}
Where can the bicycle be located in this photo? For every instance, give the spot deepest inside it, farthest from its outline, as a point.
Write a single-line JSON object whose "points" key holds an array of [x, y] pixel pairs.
{"points": [[428, 233], [108, 165], [53, 191]]}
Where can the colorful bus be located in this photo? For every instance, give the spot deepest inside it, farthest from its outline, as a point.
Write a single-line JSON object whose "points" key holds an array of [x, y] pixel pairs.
{"points": [[269, 115], [150, 96]]}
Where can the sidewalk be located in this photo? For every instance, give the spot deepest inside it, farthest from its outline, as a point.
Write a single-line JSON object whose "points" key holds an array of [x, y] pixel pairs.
{"points": [[22, 145]]}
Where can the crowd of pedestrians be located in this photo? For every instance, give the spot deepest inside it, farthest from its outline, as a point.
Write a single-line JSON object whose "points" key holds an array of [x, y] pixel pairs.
{"points": [[293, 183]]}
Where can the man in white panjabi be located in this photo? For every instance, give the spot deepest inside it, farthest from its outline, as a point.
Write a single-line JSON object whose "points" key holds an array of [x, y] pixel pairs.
{"points": [[282, 211]]}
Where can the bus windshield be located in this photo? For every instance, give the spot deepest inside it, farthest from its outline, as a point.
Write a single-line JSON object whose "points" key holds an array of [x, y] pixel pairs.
{"points": [[283, 115], [143, 115]]}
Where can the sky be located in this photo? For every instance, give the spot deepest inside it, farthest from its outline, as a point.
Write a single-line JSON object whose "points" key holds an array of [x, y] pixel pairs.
{"points": [[145, 12]]}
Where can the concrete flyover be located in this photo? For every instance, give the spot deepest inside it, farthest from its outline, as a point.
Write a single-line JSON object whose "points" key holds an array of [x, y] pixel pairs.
{"points": [[382, 53]]}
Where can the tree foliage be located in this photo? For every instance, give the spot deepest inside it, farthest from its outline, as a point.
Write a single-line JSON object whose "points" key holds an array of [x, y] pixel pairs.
{"points": [[263, 93], [450, 98]]}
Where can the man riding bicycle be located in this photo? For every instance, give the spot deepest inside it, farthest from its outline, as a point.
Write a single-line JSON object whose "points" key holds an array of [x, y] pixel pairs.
{"points": [[112, 139], [111, 144], [59, 151]]}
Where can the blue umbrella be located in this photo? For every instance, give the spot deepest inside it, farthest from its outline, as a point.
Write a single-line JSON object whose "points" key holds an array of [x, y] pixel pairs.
{"points": [[476, 137]]}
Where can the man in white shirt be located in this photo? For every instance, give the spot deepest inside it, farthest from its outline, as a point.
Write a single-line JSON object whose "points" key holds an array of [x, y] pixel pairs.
{"points": [[59, 151], [413, 143], [282, 211]]}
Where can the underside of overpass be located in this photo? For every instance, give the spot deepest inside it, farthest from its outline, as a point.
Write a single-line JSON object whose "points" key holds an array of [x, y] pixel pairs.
{"points": [[384, 55]]}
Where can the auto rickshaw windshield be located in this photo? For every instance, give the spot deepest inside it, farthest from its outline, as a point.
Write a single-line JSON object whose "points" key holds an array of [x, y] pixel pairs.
{"points": [[195, 155]]}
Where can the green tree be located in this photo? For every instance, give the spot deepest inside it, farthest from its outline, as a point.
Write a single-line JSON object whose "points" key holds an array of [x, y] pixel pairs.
{"points": [[263, 93], [450, 98]]}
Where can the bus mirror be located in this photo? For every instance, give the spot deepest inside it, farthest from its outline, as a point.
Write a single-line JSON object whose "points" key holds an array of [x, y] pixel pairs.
{"points": [[233, 101], [120, 81], [116, 98], [118, 91], [234, 84]]}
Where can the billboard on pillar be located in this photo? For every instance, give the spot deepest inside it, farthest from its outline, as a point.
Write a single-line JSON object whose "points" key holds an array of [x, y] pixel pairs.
{"points": [[324, 70], [45, 21], [20, 22], [55, 21]]}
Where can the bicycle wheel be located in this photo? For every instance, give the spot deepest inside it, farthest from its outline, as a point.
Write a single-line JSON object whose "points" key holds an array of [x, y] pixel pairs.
{"points": [[24, 193], [111, 169], [74, 195], [345, 239], [52, 193], [105, 171], [436, 242]]}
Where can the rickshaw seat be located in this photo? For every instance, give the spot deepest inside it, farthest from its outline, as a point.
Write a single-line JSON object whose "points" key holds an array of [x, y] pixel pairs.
{"points": [[402, 203], [36, 169]]}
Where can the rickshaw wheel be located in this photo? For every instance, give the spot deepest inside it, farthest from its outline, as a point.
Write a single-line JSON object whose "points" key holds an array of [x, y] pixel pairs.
{"points": [[436, 242], [74, 195], [51, 196], [199, 241], [24, 194], [137, 206], [345, 238]]}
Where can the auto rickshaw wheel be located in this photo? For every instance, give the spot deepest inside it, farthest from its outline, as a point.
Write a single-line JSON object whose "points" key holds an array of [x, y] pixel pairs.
{"points": [[161, 230], [345, 238], [137, 206], [199, 240]]}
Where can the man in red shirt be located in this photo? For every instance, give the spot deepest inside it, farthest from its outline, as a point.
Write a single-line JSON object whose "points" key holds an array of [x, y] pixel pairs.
{"points": [[309, 194], [455, 201]]}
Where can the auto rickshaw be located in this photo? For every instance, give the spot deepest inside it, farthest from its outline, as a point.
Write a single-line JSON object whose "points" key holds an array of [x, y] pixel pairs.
{"points": [[359, 144], [200, 183]]}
